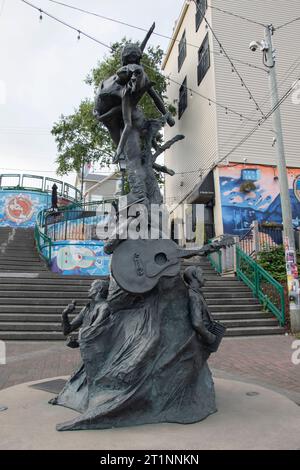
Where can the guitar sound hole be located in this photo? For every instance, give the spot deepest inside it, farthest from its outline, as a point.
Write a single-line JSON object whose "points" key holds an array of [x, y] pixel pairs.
{"points": [[161, 259]]}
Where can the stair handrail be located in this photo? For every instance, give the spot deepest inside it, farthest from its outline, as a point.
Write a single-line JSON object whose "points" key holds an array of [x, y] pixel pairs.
{"points": [[77, 212], [252, 274], [43, 244]]}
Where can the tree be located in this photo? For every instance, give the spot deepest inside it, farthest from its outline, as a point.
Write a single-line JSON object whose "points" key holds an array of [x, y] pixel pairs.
{"points": [[79, 136]]}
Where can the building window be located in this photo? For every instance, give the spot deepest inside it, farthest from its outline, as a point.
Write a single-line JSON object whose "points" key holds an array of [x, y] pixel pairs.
{"points": [[203, 59], [183, 96], [201, 6], [250, 175], [181, 51]]}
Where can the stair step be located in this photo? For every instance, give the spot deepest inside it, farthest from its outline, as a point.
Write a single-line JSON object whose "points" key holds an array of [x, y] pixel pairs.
{"points": [[31, 336], [23, 269], [250, 323], [5, 309], [35, 317], [235, 308], [28, 326], [224, 289], [256, 331], [34, 261], [47, 277], [55, 301], [232, 301], [228, 295], [29, 294], [240, 316], [219, 283], [71, 290]]}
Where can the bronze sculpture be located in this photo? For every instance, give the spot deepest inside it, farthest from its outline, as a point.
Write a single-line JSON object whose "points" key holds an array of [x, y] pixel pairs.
{"points": [[145, 345]]}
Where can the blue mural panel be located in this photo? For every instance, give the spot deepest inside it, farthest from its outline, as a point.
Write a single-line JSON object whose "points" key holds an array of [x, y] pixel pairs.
{"points": [[71, 258], [20, 208], [260, 200]]}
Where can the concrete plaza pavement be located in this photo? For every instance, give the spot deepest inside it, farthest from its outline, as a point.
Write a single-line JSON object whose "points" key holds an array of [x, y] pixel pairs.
{"points": [[265, 360]]}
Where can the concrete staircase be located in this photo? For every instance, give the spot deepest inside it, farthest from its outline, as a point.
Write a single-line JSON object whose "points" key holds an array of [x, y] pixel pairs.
{"points": [[32, 298], [232, 303]]}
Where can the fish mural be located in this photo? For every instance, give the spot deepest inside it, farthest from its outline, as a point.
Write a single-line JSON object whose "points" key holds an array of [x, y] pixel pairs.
{"points": [[19, 209], [251, 192]]}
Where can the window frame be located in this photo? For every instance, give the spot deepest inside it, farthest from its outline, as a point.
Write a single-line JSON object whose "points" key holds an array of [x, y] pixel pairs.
{"points": [[183, 98], [182, 50], [201, 8], [205, 51]]}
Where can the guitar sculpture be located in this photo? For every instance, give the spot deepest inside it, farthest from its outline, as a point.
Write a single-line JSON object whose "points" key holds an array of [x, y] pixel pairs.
{"points": [[138, 265]]}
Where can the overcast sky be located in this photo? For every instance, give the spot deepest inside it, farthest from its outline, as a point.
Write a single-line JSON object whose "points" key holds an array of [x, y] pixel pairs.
{"points": [[43, 67]]}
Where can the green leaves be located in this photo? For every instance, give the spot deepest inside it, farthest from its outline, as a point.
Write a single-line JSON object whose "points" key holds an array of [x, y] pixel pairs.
{"points": [[273, 261], [79, 137]]}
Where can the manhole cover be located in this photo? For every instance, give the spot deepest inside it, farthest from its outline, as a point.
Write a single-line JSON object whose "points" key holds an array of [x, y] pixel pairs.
{"points": [[252, 394], [3, 408], [52, 386]]}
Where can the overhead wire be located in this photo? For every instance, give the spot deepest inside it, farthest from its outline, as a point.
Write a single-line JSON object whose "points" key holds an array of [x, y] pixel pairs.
{"points": [[235, 15], [287, 23], [197, 93], [239, 144], [78, 30], [123, 23], [107, 46], [243, 83]]}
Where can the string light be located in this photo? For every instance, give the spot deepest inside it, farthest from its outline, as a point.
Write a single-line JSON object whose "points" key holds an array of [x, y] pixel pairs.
{"points": [[79, 35], [41, 15], [72, 7], [172, 80]]}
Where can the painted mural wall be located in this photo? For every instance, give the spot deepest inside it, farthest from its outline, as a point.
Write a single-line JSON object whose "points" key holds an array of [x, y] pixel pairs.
{"points": [[251, 192], [72, 258], [19, 208]]}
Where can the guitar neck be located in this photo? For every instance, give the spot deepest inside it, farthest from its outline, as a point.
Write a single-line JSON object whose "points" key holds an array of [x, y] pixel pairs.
{"points": [[183, 253]]}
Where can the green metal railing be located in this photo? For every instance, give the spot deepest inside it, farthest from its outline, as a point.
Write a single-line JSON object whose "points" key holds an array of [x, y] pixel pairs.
{"points": [[43, 244], [268, 291], [66, 224]]}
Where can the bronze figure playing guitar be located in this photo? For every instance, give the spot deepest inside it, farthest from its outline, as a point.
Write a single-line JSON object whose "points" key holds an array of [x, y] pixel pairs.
{"points": [[138, 265]]}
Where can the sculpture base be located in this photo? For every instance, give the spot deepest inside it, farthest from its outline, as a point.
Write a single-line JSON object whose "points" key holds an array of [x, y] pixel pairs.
{"points": [[249, 417], [142, 364]]}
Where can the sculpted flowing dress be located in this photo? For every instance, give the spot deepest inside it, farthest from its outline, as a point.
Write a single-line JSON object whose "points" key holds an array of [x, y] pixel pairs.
{"points": [[143, 363]]}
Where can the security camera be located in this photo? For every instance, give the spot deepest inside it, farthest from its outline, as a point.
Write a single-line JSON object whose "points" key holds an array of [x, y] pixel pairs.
{"points": [[253, 46]]}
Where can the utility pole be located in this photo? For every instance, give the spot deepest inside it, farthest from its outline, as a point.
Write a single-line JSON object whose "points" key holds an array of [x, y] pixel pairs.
{"points": [[266, 46], [279, 147]]}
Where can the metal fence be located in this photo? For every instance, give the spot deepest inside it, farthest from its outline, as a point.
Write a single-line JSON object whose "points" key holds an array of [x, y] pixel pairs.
{"points": [[39, 183], [262, 237], [78, 222]]}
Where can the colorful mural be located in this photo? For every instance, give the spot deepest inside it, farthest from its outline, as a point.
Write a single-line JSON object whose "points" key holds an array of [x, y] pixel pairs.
{"points": [[251, 192], [19, 209], [80, 258]]}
